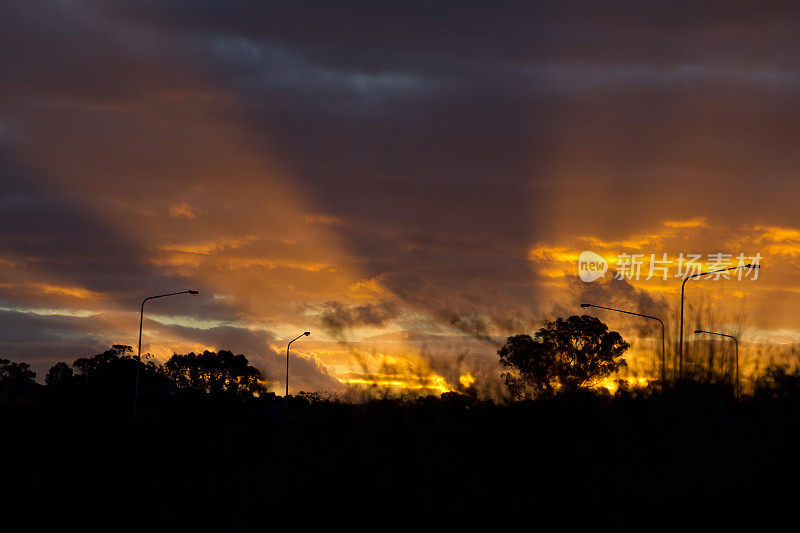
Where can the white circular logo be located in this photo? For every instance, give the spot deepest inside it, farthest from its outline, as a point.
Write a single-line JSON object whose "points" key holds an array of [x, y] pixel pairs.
{"points": [[591, 266]]}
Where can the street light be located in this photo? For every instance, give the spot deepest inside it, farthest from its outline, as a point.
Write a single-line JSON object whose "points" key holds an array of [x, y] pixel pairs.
{"points": [[139, 352], [735, 343], [683, 287], [305, 334], [663, 335]]}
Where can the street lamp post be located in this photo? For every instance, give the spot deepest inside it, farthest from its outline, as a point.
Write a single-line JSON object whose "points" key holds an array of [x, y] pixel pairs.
{"points": [[139, 352], [663, 334], [305, 334], [683, 287], [736, 345]]}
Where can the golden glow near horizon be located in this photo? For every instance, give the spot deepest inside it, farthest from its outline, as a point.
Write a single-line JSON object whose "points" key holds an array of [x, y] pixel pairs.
{"points": [[389, 346], [741, 307], [399, 382], [466, 380], [612, 384]]}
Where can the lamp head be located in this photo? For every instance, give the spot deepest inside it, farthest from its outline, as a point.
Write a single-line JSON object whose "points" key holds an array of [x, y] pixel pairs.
{"points": [[307, 333], [584, 306], [699, 331], [193, 292]]}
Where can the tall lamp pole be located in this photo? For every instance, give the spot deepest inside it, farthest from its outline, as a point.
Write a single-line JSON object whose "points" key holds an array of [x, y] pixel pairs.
{"points": [[305, 334], [663, 334], [683, 287], [139, 352], [736, 345]]}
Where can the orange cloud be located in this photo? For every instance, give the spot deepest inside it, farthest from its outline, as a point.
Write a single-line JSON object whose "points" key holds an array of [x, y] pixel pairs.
{"points": [[184, 210]]}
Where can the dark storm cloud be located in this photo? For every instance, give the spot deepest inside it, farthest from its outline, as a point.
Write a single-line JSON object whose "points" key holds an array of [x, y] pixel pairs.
{"points": [[338, 316], [419, 116], [43, 340], [50, 229], [54, 241], [511, 30], [67, 51]]}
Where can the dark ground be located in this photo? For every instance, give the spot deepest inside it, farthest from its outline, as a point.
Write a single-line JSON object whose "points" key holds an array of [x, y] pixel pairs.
{"points": [[196, 463]]}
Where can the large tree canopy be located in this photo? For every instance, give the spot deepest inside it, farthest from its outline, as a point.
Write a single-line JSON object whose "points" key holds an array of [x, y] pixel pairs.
{"points": [[215, 372], [565, 354]]}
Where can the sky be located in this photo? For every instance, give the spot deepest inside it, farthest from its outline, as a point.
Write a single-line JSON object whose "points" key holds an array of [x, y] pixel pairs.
{"points": [[410, 181]]}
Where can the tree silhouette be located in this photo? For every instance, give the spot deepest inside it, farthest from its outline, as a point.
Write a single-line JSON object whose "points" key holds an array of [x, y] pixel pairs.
{"points": [[531, 367], [11, 372], [564, 354], [113, 372], [215, 373], [15, 377], [59, 375], [112, 366]]}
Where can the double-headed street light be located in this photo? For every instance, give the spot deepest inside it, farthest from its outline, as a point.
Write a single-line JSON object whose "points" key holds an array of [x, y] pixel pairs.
{"points": [[736, 345], [305, 334], [663, 334], [139, 352], [683, 287]]}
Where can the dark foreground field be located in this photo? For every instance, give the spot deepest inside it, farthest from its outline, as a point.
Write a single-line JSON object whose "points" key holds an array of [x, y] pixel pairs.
{"points": [[196, 463]]}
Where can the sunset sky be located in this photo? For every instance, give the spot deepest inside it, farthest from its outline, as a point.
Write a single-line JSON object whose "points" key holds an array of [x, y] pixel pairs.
{"points": [[410, 181]]}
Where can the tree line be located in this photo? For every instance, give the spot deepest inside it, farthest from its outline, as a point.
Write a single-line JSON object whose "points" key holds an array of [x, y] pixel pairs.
{"points": [[566, 355], [113, 371]]}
